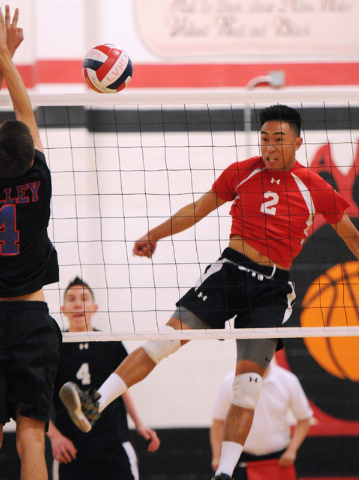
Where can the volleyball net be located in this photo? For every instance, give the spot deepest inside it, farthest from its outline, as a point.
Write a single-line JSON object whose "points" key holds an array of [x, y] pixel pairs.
{"points": [[122, 164]]}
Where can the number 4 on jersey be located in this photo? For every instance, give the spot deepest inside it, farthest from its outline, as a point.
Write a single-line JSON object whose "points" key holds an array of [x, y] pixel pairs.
{"points": [[83, 374], [9, 236]]}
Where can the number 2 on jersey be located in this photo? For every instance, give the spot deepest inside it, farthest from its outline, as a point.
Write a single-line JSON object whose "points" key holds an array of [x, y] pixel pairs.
{"points": [[9, 236], [84, 374], [269, 205]]}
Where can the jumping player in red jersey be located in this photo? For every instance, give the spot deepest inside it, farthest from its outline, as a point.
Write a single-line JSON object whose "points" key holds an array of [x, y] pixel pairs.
{"points": [[274, 200], [30, 338]]}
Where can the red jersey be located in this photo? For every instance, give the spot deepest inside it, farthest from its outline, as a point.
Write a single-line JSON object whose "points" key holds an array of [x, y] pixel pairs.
{"points": [[271, 210]]}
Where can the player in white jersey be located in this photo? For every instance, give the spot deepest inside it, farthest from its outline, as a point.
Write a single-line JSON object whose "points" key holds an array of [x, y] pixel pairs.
{"points": [[273, 200], [281, 399]]}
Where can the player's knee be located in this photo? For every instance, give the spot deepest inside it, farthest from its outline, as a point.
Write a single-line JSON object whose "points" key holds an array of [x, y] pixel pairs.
{"points": [[30, 440], [157, 350], [246, 390]]}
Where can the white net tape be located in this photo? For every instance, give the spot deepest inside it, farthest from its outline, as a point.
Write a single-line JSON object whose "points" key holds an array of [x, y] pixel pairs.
{"points": [[215, 334]]}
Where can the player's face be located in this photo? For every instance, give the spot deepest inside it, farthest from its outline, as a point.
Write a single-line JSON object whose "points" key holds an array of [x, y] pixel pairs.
{"points": [[279, 143], [79, 307]]}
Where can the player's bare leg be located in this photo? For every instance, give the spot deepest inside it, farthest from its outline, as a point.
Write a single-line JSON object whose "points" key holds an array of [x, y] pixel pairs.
{"points": [[30, 442], [138, 364]]}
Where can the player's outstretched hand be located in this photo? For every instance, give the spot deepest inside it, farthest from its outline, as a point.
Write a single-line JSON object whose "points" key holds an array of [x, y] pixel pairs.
{"points": [[149, 434], [144, 247], [14, 34]]}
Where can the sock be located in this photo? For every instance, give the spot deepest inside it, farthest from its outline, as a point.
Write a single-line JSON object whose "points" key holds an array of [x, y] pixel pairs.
{"points": [[230, 454], [112, 388]]}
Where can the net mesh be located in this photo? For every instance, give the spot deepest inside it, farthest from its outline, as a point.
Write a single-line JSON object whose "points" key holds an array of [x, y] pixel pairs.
{"points": [[121, 168]]}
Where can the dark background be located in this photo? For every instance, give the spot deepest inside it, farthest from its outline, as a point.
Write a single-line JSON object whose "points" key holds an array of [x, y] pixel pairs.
{"points": [[185, 454]]}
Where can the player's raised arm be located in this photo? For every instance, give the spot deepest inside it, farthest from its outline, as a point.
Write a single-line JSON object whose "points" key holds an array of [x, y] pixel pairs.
{"points": [[17, 90], [180, 221]]}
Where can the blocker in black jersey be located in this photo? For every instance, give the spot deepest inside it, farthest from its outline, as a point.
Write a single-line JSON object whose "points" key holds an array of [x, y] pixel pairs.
{"points": [[30, 338], [101, 453], [28, 260]]}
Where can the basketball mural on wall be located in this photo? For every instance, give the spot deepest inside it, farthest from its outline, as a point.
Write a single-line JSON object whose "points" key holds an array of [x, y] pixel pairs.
{"points": [[326, 275], [334, 299]]}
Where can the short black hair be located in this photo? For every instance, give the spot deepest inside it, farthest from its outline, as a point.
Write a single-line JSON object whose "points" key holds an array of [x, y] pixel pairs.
{"points": [[281, 113], [78, 282], [17, 150]]}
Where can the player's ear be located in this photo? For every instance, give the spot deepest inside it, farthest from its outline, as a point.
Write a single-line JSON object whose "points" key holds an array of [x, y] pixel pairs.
{"points": [[95, 308], [298, 142]]}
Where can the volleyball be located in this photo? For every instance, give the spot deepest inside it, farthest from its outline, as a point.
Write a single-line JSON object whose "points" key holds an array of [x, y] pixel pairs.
{"points": [[107, 69]]}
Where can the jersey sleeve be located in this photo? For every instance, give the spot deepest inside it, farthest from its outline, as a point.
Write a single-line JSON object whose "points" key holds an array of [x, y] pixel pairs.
{"points": [[226, 183], [224, 398], [40, 156], [299, 403], [40, 166], [327, 201]]}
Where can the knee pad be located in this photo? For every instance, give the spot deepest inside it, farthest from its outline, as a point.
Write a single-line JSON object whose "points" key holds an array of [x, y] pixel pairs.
{"points": [[157, 350], [246, 390]]}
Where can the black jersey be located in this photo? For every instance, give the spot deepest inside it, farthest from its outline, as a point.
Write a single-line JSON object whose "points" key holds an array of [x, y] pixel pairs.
{"points": [[28, 260], [89, 364]]}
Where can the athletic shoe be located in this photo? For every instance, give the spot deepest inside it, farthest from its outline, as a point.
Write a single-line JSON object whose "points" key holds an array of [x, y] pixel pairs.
{"points": [[222, 476], [81, 406]]}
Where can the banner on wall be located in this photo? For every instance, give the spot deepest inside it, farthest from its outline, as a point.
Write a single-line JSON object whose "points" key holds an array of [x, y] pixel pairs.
{"points": [[188, 28]]}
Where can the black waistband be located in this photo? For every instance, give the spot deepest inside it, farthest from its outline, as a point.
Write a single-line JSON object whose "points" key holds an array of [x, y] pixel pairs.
{"points": [[246, 262], [20, 306], [248, 457]]}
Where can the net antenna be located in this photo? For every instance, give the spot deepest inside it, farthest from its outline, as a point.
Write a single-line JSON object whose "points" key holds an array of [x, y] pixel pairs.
{"points": [[123, 163]]}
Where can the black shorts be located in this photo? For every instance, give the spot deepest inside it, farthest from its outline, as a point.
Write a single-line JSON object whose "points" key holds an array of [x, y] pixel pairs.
{"points": [[101, 463], [30, 342], [234, 286]]}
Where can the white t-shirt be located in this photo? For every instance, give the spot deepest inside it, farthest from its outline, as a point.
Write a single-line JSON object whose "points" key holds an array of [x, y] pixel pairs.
{"points": [[281, 395]]}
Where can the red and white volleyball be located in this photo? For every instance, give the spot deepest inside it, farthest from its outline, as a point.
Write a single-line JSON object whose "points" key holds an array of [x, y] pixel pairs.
{"points": [[107, 69]]}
